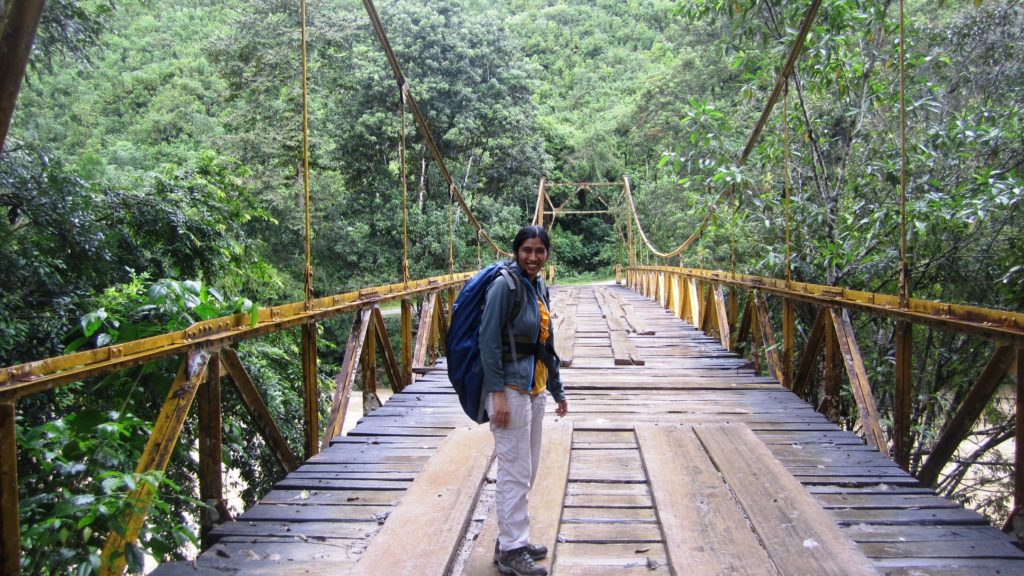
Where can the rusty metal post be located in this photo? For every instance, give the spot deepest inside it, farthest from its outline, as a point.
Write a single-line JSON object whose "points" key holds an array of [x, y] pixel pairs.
{"points": [[310, 391], [1018, 462], [211, 479], [10, 531], [407, 342], [903, 399]]}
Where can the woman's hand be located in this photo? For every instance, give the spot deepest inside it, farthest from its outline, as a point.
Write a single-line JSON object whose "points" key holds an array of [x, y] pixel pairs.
{"points": [[562, 409], [501, 415]]}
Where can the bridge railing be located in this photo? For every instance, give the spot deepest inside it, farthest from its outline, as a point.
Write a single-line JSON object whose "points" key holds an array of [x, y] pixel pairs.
{"points": [[711, 301], [207, 351]]}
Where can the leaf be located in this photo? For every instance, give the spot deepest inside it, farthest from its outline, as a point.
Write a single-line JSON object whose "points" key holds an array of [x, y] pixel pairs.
{"points": [[112, 484], [92, 321]]}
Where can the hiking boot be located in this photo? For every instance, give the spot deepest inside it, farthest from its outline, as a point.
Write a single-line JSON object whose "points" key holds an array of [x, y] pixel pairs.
{"points": [[536, 551], [519, 563]]}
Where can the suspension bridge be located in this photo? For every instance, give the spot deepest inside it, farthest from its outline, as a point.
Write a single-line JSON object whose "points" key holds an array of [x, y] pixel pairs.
{"points": [[690, 447]]}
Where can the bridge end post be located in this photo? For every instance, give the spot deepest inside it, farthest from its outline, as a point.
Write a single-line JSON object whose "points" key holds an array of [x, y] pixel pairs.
{"points": [[211, 470], [903, 400], [10, 531], [310, 390], [407, 343]]}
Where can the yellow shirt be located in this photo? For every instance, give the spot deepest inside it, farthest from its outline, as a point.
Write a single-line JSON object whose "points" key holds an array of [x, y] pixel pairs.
{"points": [[540, 373]]}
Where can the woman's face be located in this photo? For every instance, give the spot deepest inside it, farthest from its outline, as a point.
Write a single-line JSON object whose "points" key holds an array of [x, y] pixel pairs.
{"points": [[531, 257]]}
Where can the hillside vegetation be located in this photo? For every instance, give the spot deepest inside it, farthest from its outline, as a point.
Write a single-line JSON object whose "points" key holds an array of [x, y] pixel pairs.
{"points": [[153, 177]]}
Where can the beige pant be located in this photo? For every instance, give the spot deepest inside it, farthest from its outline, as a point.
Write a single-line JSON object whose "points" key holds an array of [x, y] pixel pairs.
{"points": [[517, 449]]}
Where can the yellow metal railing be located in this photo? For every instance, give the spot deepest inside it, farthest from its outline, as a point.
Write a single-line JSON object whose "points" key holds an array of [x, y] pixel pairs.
{"points": [[710, 300], [208, 353]]}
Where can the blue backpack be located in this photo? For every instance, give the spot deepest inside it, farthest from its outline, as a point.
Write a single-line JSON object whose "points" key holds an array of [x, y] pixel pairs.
{"points": [[465, 370]]}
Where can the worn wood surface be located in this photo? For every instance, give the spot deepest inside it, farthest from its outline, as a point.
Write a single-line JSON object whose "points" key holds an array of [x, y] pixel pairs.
{"points": [[321, 518], [545, 502], [705, 529], [423, 531]]}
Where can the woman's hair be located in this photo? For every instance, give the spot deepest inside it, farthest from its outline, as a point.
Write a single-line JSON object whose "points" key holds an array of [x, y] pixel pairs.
{"points": [[527, 232]]}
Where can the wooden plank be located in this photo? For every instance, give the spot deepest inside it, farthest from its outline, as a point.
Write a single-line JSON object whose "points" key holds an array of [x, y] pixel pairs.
{"points": [[346, 377], [903, 395], [271, 564], [799, 535], [440, 322], [428, 523], [258, 411], [407, 343], [624, 352], [808, 359], [962, 422], [612, 313], [939, 549], [708, 318], [424, 330], [763, 328], [693, 299], [310, 390], [390, 364], [624, 311], [722, 316], [609, 533], [288, 531], [565, 326], [705, 531], [788, 339], [612, 558], [371, 401], [869, 419], [211, 471], [333, 497], [546, 498]]}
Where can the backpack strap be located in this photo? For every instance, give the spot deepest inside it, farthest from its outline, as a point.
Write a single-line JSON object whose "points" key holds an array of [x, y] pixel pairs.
{"points": [[515, 285]]}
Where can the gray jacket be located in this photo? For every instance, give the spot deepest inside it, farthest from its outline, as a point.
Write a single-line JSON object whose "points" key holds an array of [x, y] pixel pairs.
{"points": [[517, 373]]}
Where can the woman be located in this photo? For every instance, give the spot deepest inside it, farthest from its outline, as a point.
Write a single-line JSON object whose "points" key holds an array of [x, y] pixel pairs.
{"points": [[516, 375]]}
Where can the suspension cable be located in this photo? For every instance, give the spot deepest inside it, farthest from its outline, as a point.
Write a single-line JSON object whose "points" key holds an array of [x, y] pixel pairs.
{"points": [[305, 165], [451, 233], [421, 121], [785, 177], [783, 79], [405, 191], [735, 221], [904, 268]]}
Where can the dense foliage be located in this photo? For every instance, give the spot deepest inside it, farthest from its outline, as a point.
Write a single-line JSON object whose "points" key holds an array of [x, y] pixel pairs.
{"points": [[155, 166]]}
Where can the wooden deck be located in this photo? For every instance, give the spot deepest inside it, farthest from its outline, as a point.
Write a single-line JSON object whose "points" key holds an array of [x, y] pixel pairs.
{"points": [[675, 459]]}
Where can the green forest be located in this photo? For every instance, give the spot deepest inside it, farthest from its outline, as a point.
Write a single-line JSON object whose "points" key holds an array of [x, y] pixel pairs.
{"points": [[153, 177]]}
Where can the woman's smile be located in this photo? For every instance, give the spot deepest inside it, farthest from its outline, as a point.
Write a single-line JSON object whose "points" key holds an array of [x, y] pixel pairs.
{"points": [[532, 256]]}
